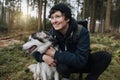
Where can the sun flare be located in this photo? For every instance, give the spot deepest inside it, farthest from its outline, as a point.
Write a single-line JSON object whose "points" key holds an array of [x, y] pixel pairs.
{"points": [[24, 8], [28, 11]]}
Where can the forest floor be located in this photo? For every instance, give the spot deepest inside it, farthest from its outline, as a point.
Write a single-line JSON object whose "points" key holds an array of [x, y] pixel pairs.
{"points": [[13, 62], [11, 38]]}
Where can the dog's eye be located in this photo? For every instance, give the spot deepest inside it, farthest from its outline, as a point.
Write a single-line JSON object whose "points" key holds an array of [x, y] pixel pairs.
{"points": [[41, 40]]}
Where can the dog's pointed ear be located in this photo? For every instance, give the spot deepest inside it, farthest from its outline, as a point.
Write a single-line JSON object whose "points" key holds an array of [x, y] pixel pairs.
{"points": [[30, 37]]}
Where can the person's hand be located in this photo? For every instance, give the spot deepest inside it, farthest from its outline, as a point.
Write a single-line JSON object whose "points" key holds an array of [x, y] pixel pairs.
{"points": [[50, 52], [49, 60]]}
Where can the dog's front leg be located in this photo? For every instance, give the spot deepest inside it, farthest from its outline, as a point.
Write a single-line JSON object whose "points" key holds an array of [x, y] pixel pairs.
{"points": [[43, 75], [34, 76], [56, 76]]}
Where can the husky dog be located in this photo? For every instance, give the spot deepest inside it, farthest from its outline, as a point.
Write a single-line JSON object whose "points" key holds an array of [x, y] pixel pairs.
{"points": [[40, 42]]}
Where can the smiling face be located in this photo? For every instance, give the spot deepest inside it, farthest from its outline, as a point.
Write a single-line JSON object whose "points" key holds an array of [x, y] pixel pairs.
{"points": [[59, 21]]}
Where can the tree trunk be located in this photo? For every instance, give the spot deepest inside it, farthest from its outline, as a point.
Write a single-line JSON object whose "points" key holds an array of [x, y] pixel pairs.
{"points": [[40, 27], [92, 16], [102, 12], [108, 12], [84, 10], [44, 18]]}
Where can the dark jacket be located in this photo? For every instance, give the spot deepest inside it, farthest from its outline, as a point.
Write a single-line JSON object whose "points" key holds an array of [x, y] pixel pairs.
{"points": [[74, 53]]}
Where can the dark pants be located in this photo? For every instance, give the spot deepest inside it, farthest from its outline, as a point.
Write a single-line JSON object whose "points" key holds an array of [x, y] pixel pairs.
{"points": [[97, 63]]}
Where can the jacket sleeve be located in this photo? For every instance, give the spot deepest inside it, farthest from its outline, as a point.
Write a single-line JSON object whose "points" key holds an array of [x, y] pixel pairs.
{"points": [[38, 56], [78, 58]]}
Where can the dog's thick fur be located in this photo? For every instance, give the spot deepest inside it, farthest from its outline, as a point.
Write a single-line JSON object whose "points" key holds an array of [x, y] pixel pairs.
{"points": [[40, 41], [41, 71]]}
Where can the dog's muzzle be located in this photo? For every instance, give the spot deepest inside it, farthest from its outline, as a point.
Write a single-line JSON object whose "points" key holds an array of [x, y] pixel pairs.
{"points": [[30, 50]]}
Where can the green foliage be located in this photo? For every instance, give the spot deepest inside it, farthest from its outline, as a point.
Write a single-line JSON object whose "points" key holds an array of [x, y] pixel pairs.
{"points": [[48, 25], [13, 62], [109, 43]]}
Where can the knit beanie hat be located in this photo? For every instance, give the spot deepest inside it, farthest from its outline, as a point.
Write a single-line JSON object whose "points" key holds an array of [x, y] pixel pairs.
{"points": [[63, 8]]}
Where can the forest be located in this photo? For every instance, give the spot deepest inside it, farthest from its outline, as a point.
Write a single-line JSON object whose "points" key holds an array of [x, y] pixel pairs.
{"points": [[102, 15], [20, 18]]}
